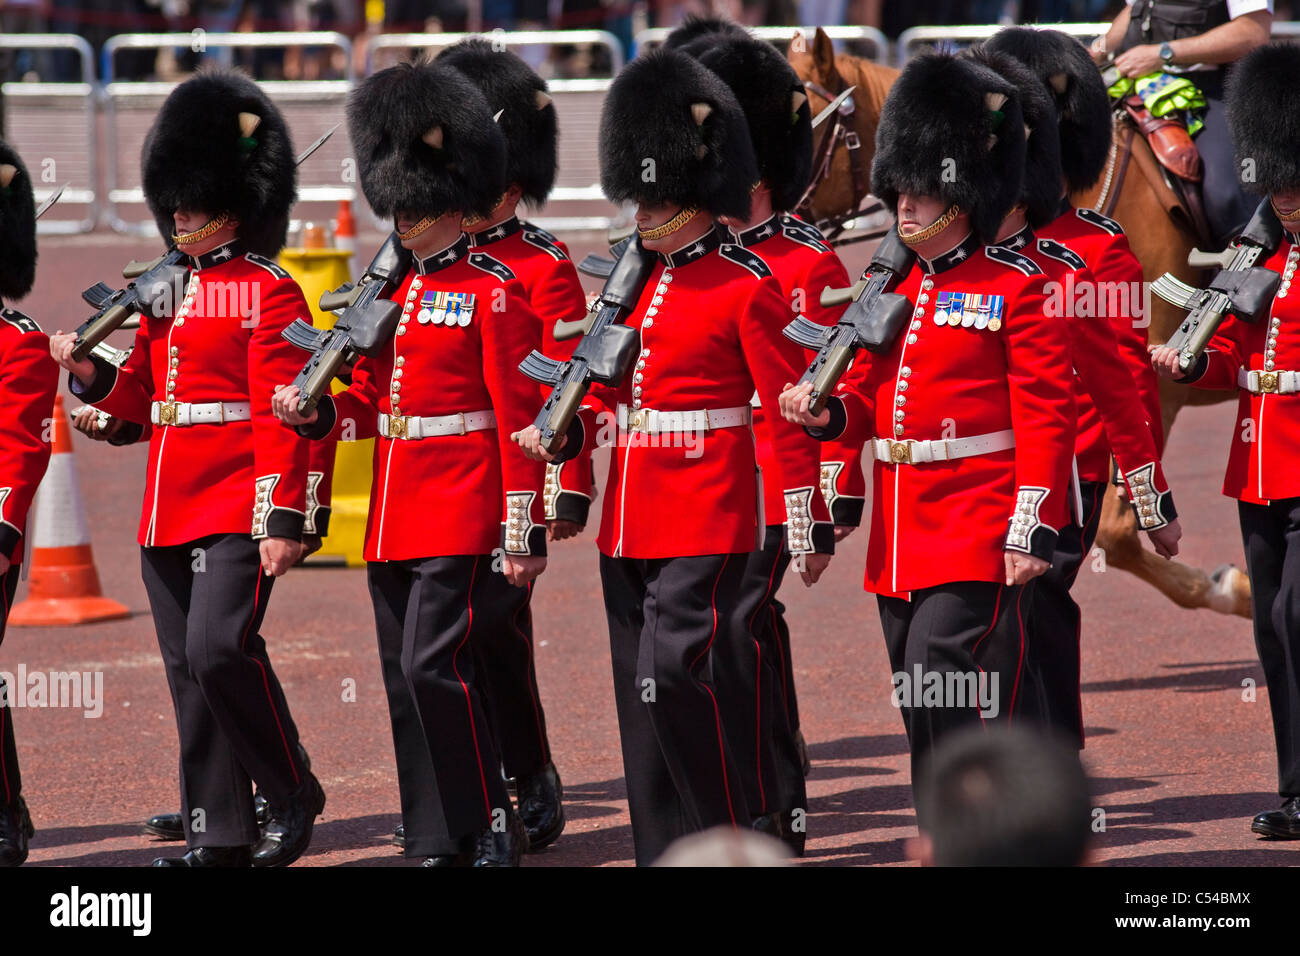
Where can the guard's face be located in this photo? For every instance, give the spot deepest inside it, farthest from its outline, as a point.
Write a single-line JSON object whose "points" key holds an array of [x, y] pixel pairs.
{"points": [[917, 212], [1288, 202], [188, 220]]}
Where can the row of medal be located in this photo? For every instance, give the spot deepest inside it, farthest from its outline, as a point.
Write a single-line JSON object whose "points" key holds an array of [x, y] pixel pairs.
{"points": [[969, 310], [446, 308]]}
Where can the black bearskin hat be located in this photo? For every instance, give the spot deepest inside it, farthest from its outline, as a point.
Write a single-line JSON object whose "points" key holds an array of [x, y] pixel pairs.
{"points": [[954, 129], [1264, 116], [527, 118], [776, 108], [1042, 186], [220, 145], [425, 142], [695, 28], [1082, 104], [17, 227], [672, 132]]}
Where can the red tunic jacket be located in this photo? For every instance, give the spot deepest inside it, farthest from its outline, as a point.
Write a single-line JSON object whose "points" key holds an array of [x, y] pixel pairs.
{"points": [[1101, 243], [541, 262], [1103, 377], [944, 521], [28, 381], [710, 321], [1262, 458], [804, 264], [223, 345], [449, 494]]}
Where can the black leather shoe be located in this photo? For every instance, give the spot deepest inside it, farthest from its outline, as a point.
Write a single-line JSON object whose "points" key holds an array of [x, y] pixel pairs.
{"points": [[802, 746], [399, 837], [288, 834], [502, 848], [541, 807], [1283, 824], [15, 830], [167, 826], [261, 805], [464, 858], [205, 856]]}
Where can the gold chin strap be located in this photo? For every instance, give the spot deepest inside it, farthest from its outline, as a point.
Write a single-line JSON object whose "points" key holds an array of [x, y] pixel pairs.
{"points": [[473, 219], [198, 235], [1293, 217], [671, 226], [932, 230], [420, 227]]}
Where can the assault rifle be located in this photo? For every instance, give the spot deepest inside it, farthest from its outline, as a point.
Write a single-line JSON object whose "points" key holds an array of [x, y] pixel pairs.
{"points": [[605, 353], [1240, 287], [368, 320], [872, 322]]}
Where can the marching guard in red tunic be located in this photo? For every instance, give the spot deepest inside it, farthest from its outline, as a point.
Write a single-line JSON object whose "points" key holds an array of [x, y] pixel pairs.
{"points": [[225, 490], [542, 264], [1261, 361], [757, 690], [969, 415], [683, 509], [453, 502], [1104, 390], [28, 381]]}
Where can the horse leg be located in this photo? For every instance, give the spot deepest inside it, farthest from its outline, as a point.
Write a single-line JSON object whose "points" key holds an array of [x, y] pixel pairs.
{"points": [[1227, 590]]}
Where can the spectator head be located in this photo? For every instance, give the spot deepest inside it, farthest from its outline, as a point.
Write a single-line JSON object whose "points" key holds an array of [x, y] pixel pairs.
{"points": [[1003, 796]]}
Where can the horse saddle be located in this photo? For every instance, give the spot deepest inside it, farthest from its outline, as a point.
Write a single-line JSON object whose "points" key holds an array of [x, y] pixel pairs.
{"points": [[1168, 139]]}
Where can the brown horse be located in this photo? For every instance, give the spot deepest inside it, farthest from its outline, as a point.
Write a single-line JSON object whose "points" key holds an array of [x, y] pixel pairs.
{"points": [[1141, 202]]}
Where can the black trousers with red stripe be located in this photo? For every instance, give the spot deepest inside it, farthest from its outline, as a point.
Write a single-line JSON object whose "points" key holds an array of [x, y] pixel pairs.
{"points": [[1271, 535], [427, 612], [1056, 621], [750, 674], [665, 617], [208, 598], [967, 639], [11, 780], [503, 654]]}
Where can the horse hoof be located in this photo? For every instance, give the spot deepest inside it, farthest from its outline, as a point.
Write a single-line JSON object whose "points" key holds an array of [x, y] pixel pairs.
{"points": [[1226, 580]]}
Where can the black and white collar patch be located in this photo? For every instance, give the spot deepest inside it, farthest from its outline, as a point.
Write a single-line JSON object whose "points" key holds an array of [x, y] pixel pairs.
{"points": [[953, 257], [1013, 259], [1061, 253], [1094, 218], [445, 257], [692, 251], [215, 257]]}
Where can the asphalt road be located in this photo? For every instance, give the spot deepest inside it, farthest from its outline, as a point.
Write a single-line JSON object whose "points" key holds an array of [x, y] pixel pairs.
{"points": [[1179, 760]]}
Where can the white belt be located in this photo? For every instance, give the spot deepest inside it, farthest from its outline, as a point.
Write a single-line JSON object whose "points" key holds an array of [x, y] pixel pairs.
{"points": [[653, 421], [1266, 383], [199, 413], [412, 427], [945, 449]]}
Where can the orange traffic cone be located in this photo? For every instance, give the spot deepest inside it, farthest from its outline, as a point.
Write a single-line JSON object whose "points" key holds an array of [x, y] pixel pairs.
{"points": [[64, 584], [345, 229]]}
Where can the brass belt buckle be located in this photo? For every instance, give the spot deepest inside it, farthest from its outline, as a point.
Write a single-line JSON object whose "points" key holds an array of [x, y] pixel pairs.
{"points": [[168, 413], [639, 420], [1268, 382], [900, 452], [464, 430], [396, 426]]}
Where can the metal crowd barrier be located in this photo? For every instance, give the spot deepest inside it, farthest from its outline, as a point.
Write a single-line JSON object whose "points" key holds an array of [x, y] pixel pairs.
{"points": [[868, 38], [52, 126], [310, 107], [576, 202]]}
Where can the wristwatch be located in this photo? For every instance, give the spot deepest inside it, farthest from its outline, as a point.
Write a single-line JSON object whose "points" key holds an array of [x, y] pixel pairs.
{"points": [[1166, 54]]}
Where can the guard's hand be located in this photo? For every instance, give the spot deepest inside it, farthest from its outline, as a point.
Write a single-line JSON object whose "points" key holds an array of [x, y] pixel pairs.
{"points": [[278, 555], [1023, 568], [1140, 61], [530, 440], [1165, 540], [284, 403], [61, 345], [519, 569], [810, 566], [795, 400], [1164, 359], [842, 531], [559, 529], [85, 419]]}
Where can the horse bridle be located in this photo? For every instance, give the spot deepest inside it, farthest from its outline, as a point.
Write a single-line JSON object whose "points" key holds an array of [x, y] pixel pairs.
{"points": [[839, 133]]}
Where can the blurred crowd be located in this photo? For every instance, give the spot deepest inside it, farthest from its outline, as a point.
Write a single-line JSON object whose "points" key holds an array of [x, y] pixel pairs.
{"points": [[97, 20]]}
